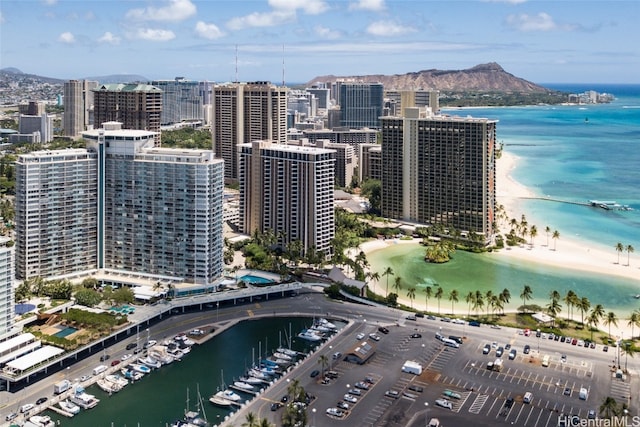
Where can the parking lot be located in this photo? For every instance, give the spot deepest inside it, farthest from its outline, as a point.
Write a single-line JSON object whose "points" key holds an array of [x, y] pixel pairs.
{"points": [[481, 396]]}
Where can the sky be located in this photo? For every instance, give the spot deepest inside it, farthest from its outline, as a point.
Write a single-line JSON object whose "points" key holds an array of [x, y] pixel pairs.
{"points": [[558, 41]]}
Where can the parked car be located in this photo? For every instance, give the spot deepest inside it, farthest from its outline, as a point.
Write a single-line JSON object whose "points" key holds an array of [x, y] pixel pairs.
{"points": [[415, 335], [452, 394], [431, 317], [314, 373], [567, 391], [335, 412], [512, 354], [474, 323], [126, 356], [527, 349], [458, 321], [275, 406], [374, 337], [11, 416], [355, 391], [41, 400], [383, 330], [392, 393], [349, 398], [499, 351], [486, 349], [411, 317], [343, 405], [361, 385], [131, 346], [417, 388], [115, 362], [360, 336], [104, 357], [444, 403], [419, 315]]}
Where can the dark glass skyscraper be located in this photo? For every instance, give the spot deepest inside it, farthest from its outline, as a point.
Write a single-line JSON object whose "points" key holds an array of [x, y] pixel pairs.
{"points": [[361, 104]]}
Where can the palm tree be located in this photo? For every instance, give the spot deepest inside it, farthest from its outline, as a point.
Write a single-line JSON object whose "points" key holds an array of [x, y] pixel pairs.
{"points": [[554, 295], [323, 360], [251, 420], [629, 349], [264, 422], [609, 407], [569, 298], [597, 313], [553, 308], [526, 295], [469, 299], [397, 284], [374, 276], [428, 291], [547, 230], [453, 297], [629, 249], [619, 248], [611, 319], [555, 237], [412, 295], [583, 305], [387, 272], [533, 232], [634, 320], [504, 297], [478, 302], [438, 296]]}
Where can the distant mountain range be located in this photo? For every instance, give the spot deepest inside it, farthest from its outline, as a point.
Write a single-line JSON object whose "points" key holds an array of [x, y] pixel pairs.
{"points": [[489, 77], [114, 78]]}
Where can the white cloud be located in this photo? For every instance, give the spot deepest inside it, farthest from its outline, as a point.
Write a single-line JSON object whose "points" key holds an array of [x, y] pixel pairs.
{"points": [[310, 7], [540, 22], [109, 38], [154, 35], [388, 28], [67, 38], [327, 33], [373, 5], [175, 10], [208, 31], [267, 19], [363, 49]]}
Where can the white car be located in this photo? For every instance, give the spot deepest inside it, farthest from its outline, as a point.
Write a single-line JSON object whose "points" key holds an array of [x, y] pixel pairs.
{"points": [[458, 321], [444, 403], [349, 398], [374, 337], [125, 357], [360, 336], [150, 343], [335, 412]]}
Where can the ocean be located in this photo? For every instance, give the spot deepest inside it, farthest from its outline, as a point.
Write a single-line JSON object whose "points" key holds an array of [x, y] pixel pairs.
{"points": [[578, 153], [567, 152]]}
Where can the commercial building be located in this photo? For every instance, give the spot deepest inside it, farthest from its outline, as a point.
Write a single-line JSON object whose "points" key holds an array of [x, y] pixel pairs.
{"points": [[245, 112], [370, 162], [121, 205], [78, 106], [397, 100], [136, 106], [182, 100], [289, 190], [346, 161], [439, 170], [342, 135], [43, 124], [361, 104]]}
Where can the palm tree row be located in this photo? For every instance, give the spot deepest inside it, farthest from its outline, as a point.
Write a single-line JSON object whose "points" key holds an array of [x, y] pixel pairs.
{"points": [[621, 248]]}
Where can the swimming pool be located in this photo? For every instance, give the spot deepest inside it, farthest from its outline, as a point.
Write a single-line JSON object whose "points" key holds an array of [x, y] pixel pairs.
{"points": [[63, 333], [256, 280]]}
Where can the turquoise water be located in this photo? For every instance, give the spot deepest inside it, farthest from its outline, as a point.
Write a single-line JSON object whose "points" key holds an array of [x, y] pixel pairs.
{"points": [[564, 156], [65, 332], [255, 280]]}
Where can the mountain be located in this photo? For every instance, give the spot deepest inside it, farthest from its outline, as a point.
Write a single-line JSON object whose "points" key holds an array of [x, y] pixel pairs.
{"points": [[489, 77], [11, 72]]}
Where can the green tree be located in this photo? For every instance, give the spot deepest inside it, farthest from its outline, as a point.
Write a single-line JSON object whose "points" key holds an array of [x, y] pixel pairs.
{"points": [[569, 299], [533, 232], [323, 360], [547, 230], [428, 292], [88, 297], [634, 320], [629, 349], [478, 302], [609, 407], [555, 237], [387, 272], [438, 295], [597, 313], [123, 295], [469, 299], [397, 284], [90, 283], [583, 305], [372, 189], [453, 297], [553, 308], [629, 250], [411, 294], [611, 319], [251, 420], [526, 295], [619, 248]]}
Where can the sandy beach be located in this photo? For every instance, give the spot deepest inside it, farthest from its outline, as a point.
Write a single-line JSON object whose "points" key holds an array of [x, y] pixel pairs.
{"points": [[567, 252]]}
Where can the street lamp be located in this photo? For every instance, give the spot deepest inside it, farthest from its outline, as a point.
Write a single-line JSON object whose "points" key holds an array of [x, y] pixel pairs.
{"points": [[538, 335], [426, 413], [314, 416]]}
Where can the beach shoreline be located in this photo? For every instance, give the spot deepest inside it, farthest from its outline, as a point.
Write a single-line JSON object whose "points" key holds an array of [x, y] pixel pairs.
{"points": [[566, 252]]}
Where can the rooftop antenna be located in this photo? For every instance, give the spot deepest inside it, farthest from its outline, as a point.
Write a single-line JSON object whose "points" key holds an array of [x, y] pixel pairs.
{"points": [[283, 65], [236, 63]]}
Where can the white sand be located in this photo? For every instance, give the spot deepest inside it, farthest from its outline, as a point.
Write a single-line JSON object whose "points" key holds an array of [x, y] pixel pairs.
{"points": [[566, 252]]}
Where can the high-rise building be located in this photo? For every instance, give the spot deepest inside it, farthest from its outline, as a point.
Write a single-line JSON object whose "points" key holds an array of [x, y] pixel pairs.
{"points": [[42, 123], [6, 285], [78, 105], [339, 135], [346, 160], [246, 112], [370, 162], [288, 189], [361, 104], [439, 170], [136, 106], [122, 205], [55, 212], [400, 99], [182, 100]]}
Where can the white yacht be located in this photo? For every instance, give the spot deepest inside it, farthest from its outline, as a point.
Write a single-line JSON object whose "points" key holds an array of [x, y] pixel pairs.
{"points": [[40, 421], [310, 335], [251, 380], [84, 400], [229, 395], [69, 407], [287, 351], [243, 386], [150, 362]]}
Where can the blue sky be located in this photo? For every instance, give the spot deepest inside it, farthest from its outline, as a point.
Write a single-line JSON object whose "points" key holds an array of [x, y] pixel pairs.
{"points": [[559, 41]]}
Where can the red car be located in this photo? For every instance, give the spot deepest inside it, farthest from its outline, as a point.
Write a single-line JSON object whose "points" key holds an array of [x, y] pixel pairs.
{"points": [[115, 362]]}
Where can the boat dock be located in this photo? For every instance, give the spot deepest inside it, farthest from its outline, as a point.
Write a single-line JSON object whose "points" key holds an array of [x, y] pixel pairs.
{"points": [[603, 204], [60, 411], [243, 390]]}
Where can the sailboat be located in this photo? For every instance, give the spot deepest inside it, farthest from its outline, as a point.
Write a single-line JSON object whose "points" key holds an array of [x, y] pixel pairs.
{"points": [[225, 397]]}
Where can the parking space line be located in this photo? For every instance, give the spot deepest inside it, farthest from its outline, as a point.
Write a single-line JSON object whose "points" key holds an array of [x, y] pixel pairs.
{"points": [[539, 415], [492, 405], [519, 412], [549, 418]]}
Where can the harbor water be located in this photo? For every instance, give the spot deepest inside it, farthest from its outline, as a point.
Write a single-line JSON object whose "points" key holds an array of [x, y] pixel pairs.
{"points": [[160, 397]]}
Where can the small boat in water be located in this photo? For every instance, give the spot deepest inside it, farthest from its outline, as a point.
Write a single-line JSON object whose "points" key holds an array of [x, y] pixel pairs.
{"points": [[69, 407], [287, 351], [138, 367], [251, 380], [243, 386], [310, 335], [41, 421], [284, 356]]}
